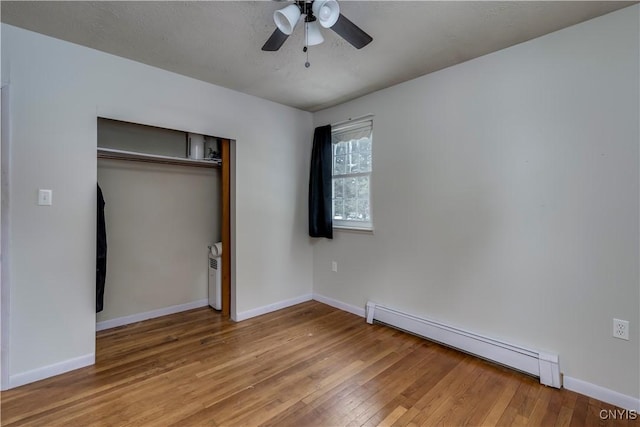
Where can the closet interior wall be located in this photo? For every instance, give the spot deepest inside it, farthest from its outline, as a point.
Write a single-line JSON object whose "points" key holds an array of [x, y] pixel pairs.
{"points": [[160, 220]]}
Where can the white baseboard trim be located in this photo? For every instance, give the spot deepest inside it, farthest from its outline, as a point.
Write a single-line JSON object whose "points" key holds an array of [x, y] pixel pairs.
{"points": [[248, 314], [604, 394], [138, 317], [539, 364], [358, 311], [52, 370]]}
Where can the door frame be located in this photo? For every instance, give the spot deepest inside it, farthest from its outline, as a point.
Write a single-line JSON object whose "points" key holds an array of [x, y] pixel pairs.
{"points": [[5, 230], [227, 248], [227, 168]]}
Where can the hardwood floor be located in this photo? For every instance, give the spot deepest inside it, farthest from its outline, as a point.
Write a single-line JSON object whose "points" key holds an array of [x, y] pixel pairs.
{"points": [[308, 365]]}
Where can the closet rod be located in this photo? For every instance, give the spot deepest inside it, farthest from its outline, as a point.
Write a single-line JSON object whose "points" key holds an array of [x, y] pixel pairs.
{"points": [[113, 154]]}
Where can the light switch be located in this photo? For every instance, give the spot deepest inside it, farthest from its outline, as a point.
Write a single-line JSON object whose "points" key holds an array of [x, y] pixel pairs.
{"points": [[45, 197]]}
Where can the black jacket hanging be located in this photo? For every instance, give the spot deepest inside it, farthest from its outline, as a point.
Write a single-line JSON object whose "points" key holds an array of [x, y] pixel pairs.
{"points": [[101, 253]]}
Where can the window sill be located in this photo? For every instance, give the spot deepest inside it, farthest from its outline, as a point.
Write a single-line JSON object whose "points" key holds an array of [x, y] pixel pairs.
{"points": [[353, 229]]}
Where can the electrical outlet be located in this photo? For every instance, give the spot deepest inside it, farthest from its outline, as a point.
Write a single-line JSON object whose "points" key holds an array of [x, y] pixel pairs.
{"points": [[334, 266], [621, 329]]}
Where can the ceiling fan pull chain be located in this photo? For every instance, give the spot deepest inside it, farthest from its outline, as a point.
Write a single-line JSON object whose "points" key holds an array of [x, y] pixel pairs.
{"points": [[305, 49]]}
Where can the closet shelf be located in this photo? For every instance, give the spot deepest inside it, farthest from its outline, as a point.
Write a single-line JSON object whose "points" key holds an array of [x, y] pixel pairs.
{"points": [[113, 154]]}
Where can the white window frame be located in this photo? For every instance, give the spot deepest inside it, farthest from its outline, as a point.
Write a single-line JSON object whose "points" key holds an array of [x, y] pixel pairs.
{"points": [[344, 224]]}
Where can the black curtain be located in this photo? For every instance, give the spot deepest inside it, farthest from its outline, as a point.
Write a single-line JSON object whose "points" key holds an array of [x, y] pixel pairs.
{"points": [[101, 253], [320, 219]]}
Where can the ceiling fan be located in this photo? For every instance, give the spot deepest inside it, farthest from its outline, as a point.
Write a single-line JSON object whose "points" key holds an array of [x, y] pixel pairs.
{"points": [[326, 13]]}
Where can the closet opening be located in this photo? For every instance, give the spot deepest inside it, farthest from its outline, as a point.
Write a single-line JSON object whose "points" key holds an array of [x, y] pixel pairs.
{"points": [[167, 201]]}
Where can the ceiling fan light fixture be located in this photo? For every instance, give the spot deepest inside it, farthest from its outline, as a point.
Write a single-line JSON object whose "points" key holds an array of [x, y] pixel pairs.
{"points": [[314, 36], [327, 12], [287, 18], [323, 12]]}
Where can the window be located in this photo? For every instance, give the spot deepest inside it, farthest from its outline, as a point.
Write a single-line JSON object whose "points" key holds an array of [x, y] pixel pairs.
{"points": [[351, 175]]}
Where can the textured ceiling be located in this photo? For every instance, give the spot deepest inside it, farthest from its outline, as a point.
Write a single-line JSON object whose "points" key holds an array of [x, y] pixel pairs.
{"points": [[220, 41]]}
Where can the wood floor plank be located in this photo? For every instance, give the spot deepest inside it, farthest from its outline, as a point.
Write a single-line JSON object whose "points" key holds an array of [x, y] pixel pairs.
{"points": [[393, 417], [540, 407], [387, 386], [405, 419], [440, 402], [500, 401], [387, 415], [308, 365], [467, 401]]}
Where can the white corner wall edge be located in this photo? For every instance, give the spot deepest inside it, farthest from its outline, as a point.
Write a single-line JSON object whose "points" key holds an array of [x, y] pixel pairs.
{"points": [[358, 311], [248, 314], [604, 394], [543, 365], [52, 370], [138, 317]]}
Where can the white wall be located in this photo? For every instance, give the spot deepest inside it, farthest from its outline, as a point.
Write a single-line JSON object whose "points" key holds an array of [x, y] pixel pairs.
{"points": [[159, 220], [505, 199], [58, 89]]}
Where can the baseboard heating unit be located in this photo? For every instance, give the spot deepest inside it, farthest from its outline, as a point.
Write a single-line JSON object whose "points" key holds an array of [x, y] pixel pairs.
{"points": [[536, 363]]}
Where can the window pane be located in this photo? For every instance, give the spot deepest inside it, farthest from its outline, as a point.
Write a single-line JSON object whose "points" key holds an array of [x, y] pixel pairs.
{"points": [[353, 156], [340, 148], [351, 209], [362, 184], [350, 188], [364, 145], [353, 146], [363, 210], [338, 188], [365, 162], [352, 165], [338, 209], [339, 164]]}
